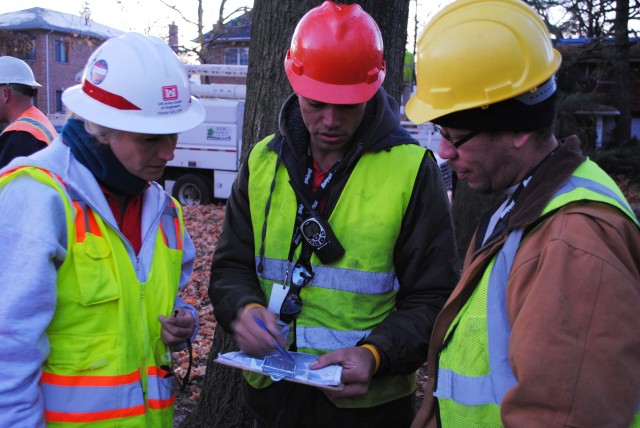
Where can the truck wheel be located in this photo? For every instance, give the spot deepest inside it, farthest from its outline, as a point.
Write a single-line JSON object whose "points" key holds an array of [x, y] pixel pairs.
{"points": [[192, 189]]}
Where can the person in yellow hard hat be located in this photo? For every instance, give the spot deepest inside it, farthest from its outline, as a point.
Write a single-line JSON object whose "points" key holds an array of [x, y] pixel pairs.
{"points": [[337, 236], [94, 251], [542, 329], [28, 129]]}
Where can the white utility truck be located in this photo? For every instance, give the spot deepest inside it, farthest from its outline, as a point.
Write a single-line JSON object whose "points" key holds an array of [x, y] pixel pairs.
{"points": [[207, 157]]}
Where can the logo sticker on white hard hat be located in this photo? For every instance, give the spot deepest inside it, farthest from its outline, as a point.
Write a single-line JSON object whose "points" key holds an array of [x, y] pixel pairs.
{"points": [[171, 102], [170, 92], [98, 72]]}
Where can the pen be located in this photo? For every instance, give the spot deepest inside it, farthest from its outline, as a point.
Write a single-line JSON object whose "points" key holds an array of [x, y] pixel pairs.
{"points": [[280, 348]]}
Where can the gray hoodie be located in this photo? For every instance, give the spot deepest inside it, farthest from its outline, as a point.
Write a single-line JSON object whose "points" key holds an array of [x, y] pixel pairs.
{"points": [[34, 242]]}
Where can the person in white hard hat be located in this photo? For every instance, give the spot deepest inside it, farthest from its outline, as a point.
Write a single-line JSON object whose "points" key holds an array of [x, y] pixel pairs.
{"points": [[95, 251], [28, 129]]}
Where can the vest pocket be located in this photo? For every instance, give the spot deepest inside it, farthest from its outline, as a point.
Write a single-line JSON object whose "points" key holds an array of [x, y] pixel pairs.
{"points": [[96, 280], [81, 352]]}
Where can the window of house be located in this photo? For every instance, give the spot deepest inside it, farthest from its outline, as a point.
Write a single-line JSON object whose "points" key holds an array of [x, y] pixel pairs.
{"points": [[61, 51], [59, 105], [31, 55], [236, 56]]}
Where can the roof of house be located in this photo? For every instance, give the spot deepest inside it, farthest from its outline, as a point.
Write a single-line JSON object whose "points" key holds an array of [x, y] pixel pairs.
{"points": [[235, 30], [38, 18]]}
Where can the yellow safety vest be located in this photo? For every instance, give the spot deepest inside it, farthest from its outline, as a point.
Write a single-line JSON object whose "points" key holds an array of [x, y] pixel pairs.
{"points": [[470, 391], [104, 368], [348, 298]]}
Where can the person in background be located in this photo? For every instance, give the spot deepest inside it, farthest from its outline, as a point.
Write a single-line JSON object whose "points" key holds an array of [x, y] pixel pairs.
{"points": [[542, 329], [28, 129], [95, 250], [337, 235]]}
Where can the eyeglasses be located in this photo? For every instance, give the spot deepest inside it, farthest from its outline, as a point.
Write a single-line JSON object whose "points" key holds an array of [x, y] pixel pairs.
{"points": [[460, 141], [184, 380], [292, 304]]}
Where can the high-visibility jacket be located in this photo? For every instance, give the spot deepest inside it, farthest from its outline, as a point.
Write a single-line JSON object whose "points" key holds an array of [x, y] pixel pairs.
{"points": [[108, 365], [346, 299], [474, 373], [35, 123]]}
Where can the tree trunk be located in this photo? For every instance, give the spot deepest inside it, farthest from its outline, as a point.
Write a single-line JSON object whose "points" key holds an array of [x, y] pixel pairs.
{"points": [[222, 403], [392, 21], [622, 72]]}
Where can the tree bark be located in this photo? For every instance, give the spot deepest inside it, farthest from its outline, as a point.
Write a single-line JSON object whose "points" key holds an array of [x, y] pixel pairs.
{"points": [[622, 71], [222, 402]]}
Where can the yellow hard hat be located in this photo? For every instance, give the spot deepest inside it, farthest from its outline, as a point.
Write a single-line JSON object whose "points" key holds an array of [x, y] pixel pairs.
{"points": [[474, 53]]}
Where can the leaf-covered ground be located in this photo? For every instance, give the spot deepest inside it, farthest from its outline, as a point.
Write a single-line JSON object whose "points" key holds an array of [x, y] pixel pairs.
{"points": [[203, 223]]}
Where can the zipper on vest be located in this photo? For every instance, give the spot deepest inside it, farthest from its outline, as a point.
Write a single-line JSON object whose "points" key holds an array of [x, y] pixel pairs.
{"points": [[146, 346]]}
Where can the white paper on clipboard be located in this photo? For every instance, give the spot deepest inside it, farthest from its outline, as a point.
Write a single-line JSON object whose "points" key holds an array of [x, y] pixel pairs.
{"points": [[326, 377]]}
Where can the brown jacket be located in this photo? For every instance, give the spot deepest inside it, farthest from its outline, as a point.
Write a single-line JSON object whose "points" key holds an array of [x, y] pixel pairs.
{"points": [[573, 301]]}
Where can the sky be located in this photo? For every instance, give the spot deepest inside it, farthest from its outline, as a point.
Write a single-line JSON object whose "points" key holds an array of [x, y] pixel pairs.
{"points": [[145, 16], [153, 17]]}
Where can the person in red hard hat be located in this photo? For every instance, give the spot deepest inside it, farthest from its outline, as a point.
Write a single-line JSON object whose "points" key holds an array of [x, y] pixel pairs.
{"points": [[337, 237], [28, 129]]}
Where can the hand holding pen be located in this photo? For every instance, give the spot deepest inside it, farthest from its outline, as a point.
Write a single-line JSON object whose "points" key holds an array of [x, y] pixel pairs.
{"points": [[280, 348], [252, 338]]}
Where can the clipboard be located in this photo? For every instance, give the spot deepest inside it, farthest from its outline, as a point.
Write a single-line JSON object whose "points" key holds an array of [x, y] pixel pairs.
{"points": [[278, 368]]}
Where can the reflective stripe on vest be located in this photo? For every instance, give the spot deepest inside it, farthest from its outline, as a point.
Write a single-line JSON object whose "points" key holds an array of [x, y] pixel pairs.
{"points": [[348, 298], [341, 279], [170, 226], [85, 221], [489, 389], [334, 278], [88, 398], [35, 123], [160, 390]]}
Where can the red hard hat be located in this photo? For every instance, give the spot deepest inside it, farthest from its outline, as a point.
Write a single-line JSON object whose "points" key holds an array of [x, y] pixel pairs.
{"points": [[336, 55]]}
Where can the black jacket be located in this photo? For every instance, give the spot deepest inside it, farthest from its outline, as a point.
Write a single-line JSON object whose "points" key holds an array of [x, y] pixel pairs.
{"points": [[424, 254], [18, 143]]}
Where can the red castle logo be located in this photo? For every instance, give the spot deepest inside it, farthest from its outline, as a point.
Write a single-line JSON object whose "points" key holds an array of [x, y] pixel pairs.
{"points": [[169, 93]]}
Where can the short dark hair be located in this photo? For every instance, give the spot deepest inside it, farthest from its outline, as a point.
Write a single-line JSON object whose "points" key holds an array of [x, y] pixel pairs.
{"points": [[25, 90]]}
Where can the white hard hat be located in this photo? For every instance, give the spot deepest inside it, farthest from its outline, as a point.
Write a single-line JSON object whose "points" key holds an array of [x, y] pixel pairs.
{"points": [[14, 70], [136, 83]]}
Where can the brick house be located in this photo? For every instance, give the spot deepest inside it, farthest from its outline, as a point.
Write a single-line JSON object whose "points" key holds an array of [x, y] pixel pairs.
{"points": [[62, 45], [229, 45]]}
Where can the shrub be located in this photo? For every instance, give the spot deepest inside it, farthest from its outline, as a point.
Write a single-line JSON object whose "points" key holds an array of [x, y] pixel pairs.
{"points": [[622, 160]]}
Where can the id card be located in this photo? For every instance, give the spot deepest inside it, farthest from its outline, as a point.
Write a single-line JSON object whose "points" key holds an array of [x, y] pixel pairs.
{"points": [[278, 293]]}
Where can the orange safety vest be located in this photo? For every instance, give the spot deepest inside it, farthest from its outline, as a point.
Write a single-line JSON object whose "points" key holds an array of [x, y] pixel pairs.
{"points": [[35, 123]]}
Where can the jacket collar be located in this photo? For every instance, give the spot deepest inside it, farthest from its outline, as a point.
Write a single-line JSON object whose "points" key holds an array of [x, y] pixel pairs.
{"points": [[548, 178], [552, 173]]}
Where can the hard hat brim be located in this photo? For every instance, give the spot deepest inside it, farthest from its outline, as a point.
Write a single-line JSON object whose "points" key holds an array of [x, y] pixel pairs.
{"points": [[132, 120], [334, 94]]}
